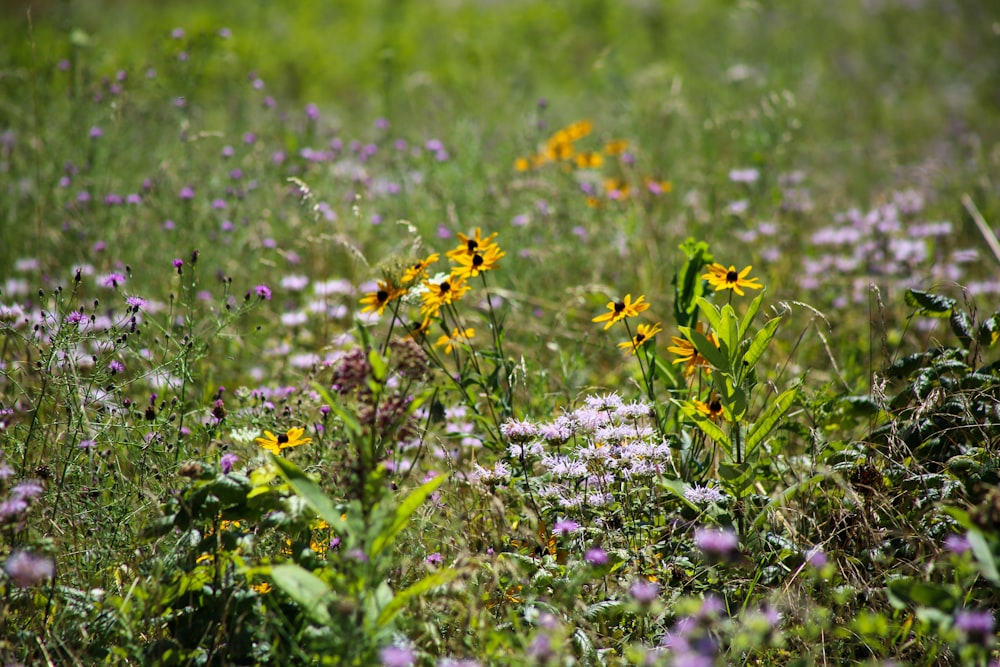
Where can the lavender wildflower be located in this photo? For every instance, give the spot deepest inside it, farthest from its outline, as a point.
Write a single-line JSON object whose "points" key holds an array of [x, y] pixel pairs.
{"points": [[715, 543], [26, 569], [227, 461]]}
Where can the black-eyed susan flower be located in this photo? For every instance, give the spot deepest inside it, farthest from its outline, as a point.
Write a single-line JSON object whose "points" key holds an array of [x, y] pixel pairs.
{"points": [[440, 294], [687, 353], [589, 160], [578, 130], [471, 244], [615, 147], [722, 278], [457, 337], [619, 310], [712, 409], [419, 268], [643, 334], [470, 266], [291, 438], [377, 301]]}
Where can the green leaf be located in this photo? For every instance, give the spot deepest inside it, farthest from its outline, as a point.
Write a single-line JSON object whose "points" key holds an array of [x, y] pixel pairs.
{"points": [[729, 337], [984, 556], [401, 599], [688, 285], [710, 428], [930, 305], [351, 424], [924, 594], [751, 313], [989, 331], [961, 324], [402, 514], [310, 492], [767, 421], [712, 314], [760, 342], [305, 588], [706, 348]]}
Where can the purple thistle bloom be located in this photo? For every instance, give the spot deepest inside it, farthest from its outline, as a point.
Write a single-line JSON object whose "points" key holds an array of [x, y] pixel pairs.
{"points": [[26, 569], [977, 626], [227, 461], [135, 302], [87, 444], [565, 527], [596, 556], [177, 33], [116, 366], [644, 592], [133, 199], [96, 132], [11, 509], [187, 192], [312, 112], [434, 559], [263, 291], [716, 543], [113, 280], [815, 557]]}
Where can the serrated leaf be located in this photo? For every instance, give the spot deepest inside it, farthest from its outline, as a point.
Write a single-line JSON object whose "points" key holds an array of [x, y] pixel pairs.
{"points": [[931, 305]]}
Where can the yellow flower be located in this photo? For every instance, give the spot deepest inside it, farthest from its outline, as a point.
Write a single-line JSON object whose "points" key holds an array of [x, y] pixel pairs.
{"points": [[644, 332], [457, 337], [712, 409], [616, 147], [619, 310], [419, 268], [522, 164], [262, 588], [471, 244], [376, 301], [616, 188], [722, 278], [440, 294], [686, 352], [589, 160], [471, 265], [578, 130], [275, 443]]}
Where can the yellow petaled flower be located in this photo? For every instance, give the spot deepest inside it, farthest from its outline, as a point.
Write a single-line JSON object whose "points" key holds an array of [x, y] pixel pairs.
{"points": [[561, 150], [687, 353], [619, 310], [419, 268], [578, 130], [418, 329], [440, 294], [457, 337], [275, 443], [722, 278], [472, 244], [616, 188], [262, 588], [616, 147], [471, 265], [589, 160], [377, 301], [522, 164], [644, 332], [712, 409]]}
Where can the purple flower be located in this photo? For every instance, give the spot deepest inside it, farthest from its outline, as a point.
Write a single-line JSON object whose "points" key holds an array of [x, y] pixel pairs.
{"points": [[113, 280], [263, 291], [26, 569], [518, 430], [187, 192], [565, 527], [334, 542], [249, 138], [28, 490], [957, 544], [87, 444], [396, 656], [177, 33], [596, 556], [434, 559], [977, 626], [227, 461], [312, 112], [11, 509], [218, 204], [815, 557], [643, 591], [116, 366], [716, 543], [135, 302], [96, 132], [133, 199]]}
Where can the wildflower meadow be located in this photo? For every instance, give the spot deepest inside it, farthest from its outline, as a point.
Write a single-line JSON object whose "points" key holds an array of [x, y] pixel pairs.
{"points": [[463, 333]]}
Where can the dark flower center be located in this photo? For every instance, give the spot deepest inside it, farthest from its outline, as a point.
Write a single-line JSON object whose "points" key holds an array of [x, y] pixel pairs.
{"points": [[619, 307], [715, 406], [477, 260], [382, 295], [472, 244], [639, 338], [732, 277], [282, 439], [444, 287]]}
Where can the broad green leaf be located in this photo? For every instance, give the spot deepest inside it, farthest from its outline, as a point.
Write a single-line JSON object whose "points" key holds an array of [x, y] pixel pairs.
{"points": [[961, 324], [738, 478], [402, 514], [767, 421], [925, 594], [402, 598], [309, 591], [989, 331], [984, 556], [380, 367], [712, 314], [706, 348], [931, 305], [710, 428], [760, 342], [310, 492], [729, 336]]}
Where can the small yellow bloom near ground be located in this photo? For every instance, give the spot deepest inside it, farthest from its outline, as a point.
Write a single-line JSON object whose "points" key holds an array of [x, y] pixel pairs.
{"points": [[262, 588], [644, 333], [377, 301], [619, 310], [722, 278], [275, 443], [712, 409], [457, 337], [419, 268]]}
